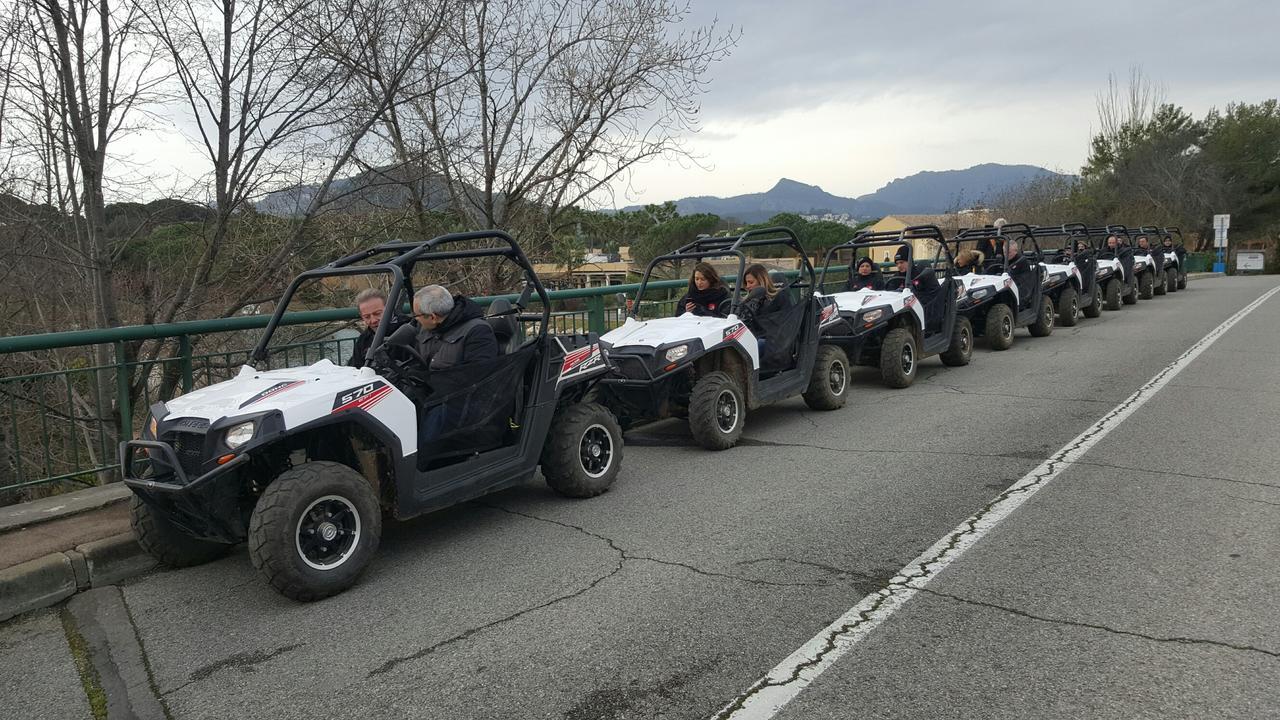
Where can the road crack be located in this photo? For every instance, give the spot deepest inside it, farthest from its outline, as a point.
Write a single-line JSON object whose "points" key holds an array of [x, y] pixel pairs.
{"points": [[1178, 640], [146, 659], [245, 662], [1253, 500], [623, 557], [1192, 476]]}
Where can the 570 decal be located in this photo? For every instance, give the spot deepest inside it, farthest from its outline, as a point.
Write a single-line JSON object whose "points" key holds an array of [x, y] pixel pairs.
{"points": [[361, 398]]}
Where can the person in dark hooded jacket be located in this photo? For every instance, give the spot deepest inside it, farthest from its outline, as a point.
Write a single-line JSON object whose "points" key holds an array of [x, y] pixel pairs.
{"points": [[924, 283], [707, 296], [452, 333], [865, 276], [452, 329]]}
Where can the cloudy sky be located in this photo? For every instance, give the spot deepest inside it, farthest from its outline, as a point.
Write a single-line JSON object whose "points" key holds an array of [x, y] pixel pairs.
{"points": [[851, 94]]}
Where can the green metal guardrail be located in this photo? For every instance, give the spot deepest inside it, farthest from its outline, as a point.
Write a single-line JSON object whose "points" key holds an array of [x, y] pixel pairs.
{"points": [[53, 436]]}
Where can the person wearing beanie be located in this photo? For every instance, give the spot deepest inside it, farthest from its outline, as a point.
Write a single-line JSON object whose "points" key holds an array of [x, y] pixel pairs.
{"points": [[865, 276]]}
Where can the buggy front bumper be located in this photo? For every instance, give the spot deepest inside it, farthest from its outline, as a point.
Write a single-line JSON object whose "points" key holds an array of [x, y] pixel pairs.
{"points": [[206, 507]]}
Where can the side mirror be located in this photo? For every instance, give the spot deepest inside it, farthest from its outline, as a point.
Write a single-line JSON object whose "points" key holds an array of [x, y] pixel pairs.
{"points": [[621, 298]]}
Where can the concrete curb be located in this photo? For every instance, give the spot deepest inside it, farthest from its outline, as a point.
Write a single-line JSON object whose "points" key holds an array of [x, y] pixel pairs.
{"points": [[55, 577], [39, 583], [35, 512], [1199, 275]]}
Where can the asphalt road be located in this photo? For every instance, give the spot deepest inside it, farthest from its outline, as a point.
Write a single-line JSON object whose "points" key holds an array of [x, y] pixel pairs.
{"points": [[1141, 583]]}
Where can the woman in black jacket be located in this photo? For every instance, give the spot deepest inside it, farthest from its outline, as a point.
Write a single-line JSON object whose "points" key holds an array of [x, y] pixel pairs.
{"points": [[865, 276], [707, 296]]}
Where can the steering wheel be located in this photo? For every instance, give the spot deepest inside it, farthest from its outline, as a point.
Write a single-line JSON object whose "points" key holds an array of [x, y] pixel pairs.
{"points": [[402, 365]]}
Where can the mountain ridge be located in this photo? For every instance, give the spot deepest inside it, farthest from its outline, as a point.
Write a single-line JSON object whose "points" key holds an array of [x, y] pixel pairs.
{"points": [[924, 193]]}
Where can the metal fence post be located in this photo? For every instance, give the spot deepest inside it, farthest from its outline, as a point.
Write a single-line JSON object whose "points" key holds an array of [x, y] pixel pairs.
{"points": [[184, 354], [595, 315], [122, 393]]}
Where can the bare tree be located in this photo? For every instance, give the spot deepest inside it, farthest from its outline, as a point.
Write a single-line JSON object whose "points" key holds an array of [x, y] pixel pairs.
{"points": [[104, 71], [556, 99]]}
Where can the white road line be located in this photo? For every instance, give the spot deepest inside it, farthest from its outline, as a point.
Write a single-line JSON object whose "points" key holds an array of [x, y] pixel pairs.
{"points": [[783, 683]]}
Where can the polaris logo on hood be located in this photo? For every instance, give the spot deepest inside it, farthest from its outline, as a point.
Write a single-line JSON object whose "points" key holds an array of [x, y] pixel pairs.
{"points": [[272, 391]]}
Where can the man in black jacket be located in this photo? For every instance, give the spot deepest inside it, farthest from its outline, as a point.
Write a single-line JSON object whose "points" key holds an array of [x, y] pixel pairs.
{"points": [[452, 334], [924, 283], [453, 330]]}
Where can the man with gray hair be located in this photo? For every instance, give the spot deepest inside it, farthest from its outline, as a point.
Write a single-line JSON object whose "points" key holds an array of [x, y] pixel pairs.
{"points": [[453, 329], [452, 332]]}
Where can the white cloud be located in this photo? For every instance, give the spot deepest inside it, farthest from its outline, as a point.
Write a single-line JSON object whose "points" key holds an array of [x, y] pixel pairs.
{"points": [[850, 95]]}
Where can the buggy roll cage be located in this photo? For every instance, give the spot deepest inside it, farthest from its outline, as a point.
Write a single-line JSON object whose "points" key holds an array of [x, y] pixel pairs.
{"points": [[1012, 231], [1102, 232], [1070, 232], [890, 238], [404, 255], [732, 246], [1170, 231]]}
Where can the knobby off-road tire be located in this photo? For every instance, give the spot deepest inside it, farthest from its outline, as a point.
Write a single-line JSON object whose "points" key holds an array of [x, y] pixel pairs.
{"points": [[166, 543], [1158, 283], [314, 530], [1114, 298], [717, 411], [583, 451], [1095, 308], [1146, 282], [999, 328], [1131, 298], [961, 349], [1043, 326], [1182, 280], [829, 382], [899, 357], [1171, 280], [1068, 307]]}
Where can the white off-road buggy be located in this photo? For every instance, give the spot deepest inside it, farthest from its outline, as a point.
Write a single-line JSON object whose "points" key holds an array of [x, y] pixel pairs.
{"points": [[886, 324], [713, 370], [1148, 262], [995, 301], [302, 462], [1115, 266], [1071, 271], [1175, 259]]}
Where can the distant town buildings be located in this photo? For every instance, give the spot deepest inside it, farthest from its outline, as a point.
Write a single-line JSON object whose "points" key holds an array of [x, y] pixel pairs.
{"points": [[842, 218]]}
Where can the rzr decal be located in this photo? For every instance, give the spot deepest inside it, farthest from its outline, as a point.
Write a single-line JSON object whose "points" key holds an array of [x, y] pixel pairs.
{"points": [[733, 332], [361, 398], [273, 391], [581, 360], [911, 300], [828, 315], [1008, 282]]}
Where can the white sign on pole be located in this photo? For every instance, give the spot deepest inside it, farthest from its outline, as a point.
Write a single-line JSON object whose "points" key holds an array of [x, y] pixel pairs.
{"points": [[1220, 225]]}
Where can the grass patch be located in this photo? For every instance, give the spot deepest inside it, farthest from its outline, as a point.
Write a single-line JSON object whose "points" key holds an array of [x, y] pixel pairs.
{"points": [[84, 666]]}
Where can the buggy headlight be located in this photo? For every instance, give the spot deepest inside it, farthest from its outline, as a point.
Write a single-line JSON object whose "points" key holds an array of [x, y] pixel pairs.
{"points": [[872, 315], [676, 353], [238, 435], [980, 293]]}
